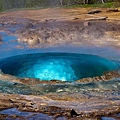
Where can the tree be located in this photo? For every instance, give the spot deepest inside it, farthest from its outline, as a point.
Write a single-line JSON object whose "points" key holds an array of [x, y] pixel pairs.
{"points": [[102, 1], [61, 2], [117, 3], [85, 1], [10, 4]]}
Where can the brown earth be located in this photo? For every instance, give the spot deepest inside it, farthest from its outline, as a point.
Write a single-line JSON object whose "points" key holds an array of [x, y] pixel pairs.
{"points": [[47, 27], [60, 14]]}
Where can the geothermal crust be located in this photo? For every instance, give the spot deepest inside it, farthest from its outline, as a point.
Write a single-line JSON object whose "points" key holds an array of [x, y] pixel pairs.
{"points": [[91, 103], [62, 26], [95, 33], [59, 26]]}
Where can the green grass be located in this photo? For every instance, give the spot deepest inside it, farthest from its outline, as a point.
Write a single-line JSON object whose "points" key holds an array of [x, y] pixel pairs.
{"points": [[0, 6], [100, 5], [38, 6]]}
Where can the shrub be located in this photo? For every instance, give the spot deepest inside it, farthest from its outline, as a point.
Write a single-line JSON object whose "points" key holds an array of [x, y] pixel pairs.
{"points": [[117, 3]]}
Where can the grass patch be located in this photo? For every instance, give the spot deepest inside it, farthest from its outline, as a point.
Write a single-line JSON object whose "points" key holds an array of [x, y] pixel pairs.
{"points": [[1, 6], [28, 8], [100, 5], [42, 6]]}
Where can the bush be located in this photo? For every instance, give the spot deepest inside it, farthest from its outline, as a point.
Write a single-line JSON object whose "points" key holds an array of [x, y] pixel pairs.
{"points": [[117, 3], [10, 4]]}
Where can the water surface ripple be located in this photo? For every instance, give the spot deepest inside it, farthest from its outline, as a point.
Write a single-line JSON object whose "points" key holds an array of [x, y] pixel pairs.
{"points": [[57, 66]]}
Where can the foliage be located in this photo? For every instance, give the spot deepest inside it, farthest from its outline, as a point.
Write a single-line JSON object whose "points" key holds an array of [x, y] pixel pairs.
{"points": [[105, 5], [11, 4], [117, 3]]}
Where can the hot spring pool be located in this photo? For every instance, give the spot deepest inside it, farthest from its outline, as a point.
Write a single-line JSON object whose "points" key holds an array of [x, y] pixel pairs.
{"points": [[57, 66]]}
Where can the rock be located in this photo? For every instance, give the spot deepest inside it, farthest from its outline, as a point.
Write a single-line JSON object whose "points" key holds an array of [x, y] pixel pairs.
{"points": [[0, 38], [46, 20], [86, 24], [105, 77], [29, 25], [1, 71], [112, 10], [73, 113], [96, 19], [94, 11], [111, 74], [75, 18], [33, 40]]}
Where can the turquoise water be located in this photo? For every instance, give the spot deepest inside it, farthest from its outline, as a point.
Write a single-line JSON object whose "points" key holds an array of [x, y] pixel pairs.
{"points": [[57, 66]]}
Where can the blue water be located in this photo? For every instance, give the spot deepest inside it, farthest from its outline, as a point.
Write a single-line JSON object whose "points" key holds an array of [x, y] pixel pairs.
{"points": [[9, 45], [57, 66], [10, 113], [7, 38]]}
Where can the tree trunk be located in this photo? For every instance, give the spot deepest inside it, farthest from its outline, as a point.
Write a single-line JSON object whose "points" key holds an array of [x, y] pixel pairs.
{"points": [[102, 1], [85, 1], [61, 2]]}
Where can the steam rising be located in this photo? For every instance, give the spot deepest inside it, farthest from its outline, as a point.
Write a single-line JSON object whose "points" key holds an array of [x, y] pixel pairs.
{"points": [[59, 33]]}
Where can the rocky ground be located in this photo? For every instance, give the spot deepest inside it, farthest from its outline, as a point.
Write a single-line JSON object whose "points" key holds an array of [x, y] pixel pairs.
{"points": [[48, 27]]}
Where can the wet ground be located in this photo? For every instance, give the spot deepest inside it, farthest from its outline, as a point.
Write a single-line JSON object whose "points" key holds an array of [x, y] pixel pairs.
{"points": [[26, 33]]}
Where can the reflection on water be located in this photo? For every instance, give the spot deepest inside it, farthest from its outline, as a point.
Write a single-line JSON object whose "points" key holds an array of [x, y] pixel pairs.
{"points": [[15, 114], [11, 47], [12, 112], [9, 43]]}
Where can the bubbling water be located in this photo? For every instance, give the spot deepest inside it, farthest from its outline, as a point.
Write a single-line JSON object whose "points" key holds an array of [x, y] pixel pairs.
{"points": [[57, 66]]}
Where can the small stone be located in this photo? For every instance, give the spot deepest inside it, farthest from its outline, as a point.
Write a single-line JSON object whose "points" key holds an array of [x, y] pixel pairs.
{"points": [[75, 18], [112, 10], [94, 11], [29, 25], [86, 24]]}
